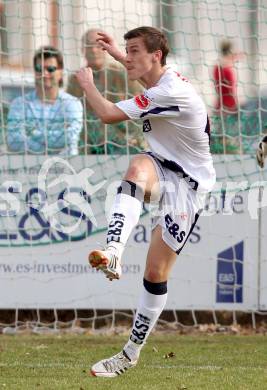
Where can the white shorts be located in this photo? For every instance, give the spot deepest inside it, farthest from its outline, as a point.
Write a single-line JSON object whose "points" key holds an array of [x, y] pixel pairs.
{"points": [[179, 206]]}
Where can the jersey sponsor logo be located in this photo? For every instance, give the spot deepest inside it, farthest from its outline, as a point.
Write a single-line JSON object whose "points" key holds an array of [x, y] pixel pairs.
{"points": [[142, 101], [146, 126]]}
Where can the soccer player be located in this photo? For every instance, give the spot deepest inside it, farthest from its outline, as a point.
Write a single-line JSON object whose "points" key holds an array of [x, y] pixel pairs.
{"points": [[262, 151], [177, 172]]}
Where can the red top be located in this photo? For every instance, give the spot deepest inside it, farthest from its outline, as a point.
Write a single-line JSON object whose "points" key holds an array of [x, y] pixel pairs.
{"points": [[225, 85]]}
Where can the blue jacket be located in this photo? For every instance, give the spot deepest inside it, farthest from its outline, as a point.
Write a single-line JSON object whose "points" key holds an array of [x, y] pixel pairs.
{"points": [[37, 127]]}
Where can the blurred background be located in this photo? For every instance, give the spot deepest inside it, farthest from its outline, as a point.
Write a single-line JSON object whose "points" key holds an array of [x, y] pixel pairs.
{"points": [[194, 28]]}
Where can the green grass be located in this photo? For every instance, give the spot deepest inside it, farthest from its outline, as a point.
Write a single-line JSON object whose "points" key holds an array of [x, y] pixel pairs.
{"points": [[200, 362]]}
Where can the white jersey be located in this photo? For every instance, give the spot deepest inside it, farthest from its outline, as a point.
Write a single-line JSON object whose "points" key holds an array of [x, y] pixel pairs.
{"points": [[175, 124]]}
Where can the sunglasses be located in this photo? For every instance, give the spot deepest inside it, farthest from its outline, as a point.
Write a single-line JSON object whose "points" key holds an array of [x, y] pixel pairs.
{"points": [[50, 68]]}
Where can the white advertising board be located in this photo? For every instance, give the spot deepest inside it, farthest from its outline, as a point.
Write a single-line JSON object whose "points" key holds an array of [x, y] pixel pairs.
{"points": [[42, 267]]}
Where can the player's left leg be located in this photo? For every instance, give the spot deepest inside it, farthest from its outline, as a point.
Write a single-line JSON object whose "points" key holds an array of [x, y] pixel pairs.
{"points": [[160, 260], [179, 211]]}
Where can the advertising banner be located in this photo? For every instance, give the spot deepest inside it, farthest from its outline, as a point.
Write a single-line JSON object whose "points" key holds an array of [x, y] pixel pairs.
{"points": [[53, 212]]}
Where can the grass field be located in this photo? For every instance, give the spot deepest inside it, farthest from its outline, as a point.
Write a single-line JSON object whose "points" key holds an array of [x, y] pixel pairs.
{"points": [[200, 362]]}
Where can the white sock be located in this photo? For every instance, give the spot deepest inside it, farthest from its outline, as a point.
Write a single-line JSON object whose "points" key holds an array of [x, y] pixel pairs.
{"points": [[147, 314], [124, 215]]}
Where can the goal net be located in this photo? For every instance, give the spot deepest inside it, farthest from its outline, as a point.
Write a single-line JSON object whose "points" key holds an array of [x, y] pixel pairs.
{"points": [[54, 204]]}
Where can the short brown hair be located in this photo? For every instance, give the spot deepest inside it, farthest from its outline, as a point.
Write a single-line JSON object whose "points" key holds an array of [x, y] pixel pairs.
{"points": [[154, 39], [226, 47], [48, 52], [45, 52]]}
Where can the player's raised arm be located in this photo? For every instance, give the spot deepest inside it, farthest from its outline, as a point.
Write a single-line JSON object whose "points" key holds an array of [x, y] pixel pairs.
{"points": [[262, 151], [108, 43]]}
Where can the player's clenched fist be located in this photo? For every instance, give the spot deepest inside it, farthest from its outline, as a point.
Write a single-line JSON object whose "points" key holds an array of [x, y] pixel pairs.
{"points": [[262, 152], [85, 77]]}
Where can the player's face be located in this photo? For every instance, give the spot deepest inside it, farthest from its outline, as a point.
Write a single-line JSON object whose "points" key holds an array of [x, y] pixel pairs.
{"points": [[48, 74], [93, 52], [139, 62]]}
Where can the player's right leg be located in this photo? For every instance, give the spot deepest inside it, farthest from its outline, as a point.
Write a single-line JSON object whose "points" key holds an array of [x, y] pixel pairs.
{"points": [[139, 183], [124, 216], [107, 261]]}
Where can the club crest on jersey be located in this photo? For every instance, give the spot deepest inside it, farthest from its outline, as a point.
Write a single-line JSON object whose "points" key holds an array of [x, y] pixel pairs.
{"points": [[142, 102], [146, 126]]}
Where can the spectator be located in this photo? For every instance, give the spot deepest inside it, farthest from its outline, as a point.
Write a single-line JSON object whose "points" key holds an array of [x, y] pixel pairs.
{"points": [[225, 119], [47, 120], [225, 79], [111, 81]]}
